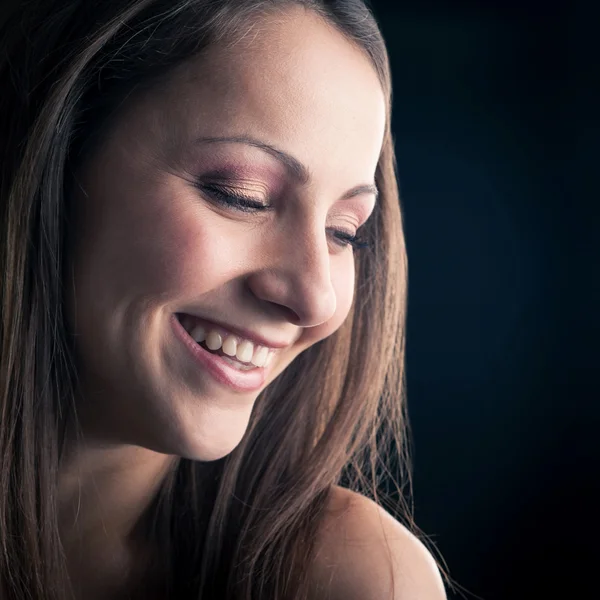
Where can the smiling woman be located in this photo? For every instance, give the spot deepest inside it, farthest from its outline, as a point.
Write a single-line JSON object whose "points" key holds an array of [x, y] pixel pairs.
{"points": [[203, 304]]}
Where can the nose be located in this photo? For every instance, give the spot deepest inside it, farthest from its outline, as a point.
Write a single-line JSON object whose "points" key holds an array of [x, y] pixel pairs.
{"points": [[297, 277]]}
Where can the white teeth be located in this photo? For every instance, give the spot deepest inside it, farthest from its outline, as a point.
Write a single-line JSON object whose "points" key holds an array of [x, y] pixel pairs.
{"points": [[230, 346], [245, 351], [260, 356], [214, 341], [198, 333], [269, 358]]}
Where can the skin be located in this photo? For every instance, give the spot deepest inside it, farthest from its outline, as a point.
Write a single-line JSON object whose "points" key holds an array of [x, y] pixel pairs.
{"points": [[150, 243]]}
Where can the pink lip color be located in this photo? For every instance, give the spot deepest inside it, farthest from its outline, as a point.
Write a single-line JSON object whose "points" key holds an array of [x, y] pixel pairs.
{"points": [[240, 381]]}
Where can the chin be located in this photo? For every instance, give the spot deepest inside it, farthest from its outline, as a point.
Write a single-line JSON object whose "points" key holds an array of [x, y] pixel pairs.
{"points": [[215, 432]]}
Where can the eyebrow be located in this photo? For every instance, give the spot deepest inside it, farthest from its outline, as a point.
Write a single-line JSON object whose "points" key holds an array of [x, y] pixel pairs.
{"points": [[299, 172]]}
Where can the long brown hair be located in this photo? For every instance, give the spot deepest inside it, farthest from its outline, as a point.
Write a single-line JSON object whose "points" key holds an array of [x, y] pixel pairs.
{"points": [[242, 527]]}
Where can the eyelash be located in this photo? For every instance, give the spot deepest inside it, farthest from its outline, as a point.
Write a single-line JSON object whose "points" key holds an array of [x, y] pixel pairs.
{"points": [[246, 204]]}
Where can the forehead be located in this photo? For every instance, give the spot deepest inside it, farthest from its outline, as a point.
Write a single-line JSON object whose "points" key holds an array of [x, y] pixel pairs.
{"points": [[292, 80]]}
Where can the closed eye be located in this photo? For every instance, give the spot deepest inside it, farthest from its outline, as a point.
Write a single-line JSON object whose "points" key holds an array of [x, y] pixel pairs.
{"points": [[244, 203], [343, 238], [233, 199]]}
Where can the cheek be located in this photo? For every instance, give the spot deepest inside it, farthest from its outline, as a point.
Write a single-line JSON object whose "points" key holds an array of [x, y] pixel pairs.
{"points": [[201, 251], [154, 244], [182, 255]]}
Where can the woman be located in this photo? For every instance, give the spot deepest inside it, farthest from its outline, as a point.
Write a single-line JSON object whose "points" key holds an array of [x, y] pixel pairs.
{"points": [[203, 298]]}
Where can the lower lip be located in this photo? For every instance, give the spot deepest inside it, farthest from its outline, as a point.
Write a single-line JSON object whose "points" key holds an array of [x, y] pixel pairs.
{"points": [[223, 372]]}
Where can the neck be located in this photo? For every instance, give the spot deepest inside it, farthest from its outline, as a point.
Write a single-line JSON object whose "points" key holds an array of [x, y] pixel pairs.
{"points": [[104, 493]]}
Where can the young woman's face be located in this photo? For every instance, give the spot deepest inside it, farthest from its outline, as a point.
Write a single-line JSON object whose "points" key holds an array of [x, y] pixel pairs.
{"points": [[220, 201]]}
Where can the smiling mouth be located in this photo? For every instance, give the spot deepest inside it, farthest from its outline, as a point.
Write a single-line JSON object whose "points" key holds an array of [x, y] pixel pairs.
{"points": [[205, 337], [241, 377]]}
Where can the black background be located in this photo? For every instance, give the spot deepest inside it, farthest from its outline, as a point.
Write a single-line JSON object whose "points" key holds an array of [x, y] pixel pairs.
{"points": [[493, 125]]}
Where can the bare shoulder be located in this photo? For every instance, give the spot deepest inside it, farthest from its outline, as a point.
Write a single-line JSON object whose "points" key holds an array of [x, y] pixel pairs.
{"points": [[363, 553]]}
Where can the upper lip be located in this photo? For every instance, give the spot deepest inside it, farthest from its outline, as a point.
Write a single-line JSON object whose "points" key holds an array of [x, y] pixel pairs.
{"points": [[256, 338]]}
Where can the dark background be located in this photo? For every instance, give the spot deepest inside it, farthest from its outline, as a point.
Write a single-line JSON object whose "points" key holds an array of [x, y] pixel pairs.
{"points": [[493, 127]]}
